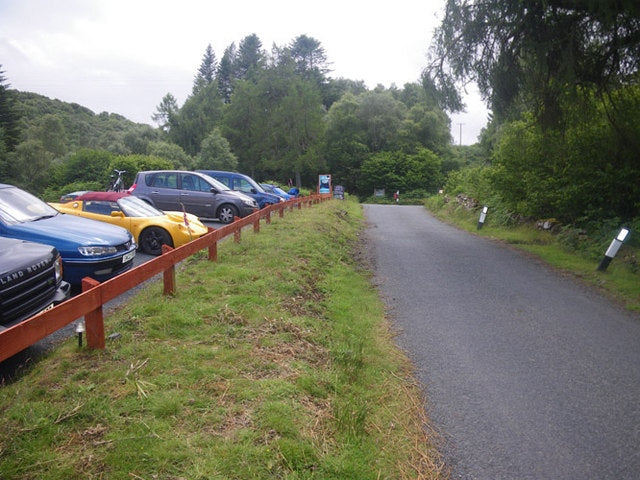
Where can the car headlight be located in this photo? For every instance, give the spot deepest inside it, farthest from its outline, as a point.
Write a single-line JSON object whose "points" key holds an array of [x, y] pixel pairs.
{"points": [[96, 251], [250, 202], [58, 268]]}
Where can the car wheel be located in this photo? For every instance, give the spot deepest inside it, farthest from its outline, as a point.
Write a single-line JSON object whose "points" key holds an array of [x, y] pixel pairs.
{"points": [[227, 213], [152, 238]]}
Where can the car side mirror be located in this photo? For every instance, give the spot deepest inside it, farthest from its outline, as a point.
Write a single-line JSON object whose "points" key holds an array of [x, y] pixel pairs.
{"points": [[253, 190], [117, 213], [214, 190]]}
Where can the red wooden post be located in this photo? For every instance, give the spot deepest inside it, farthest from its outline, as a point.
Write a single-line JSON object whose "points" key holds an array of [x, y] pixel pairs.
{"points": [[93, 320], [213, 252], [256, 224], [169, 275], [268, 216]]}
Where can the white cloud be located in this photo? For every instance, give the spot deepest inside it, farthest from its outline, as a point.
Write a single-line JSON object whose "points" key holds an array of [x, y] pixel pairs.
{"points": [[123, 56]]}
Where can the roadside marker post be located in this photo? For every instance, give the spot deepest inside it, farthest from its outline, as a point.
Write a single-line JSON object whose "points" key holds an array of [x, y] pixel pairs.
{"points": [[483, 216], [613, 249]]}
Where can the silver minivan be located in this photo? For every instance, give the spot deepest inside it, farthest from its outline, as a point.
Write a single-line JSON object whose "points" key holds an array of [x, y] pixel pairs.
{"points": [[193, 192]]}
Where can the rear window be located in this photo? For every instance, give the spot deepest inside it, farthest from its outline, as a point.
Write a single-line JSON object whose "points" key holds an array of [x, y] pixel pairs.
{"points": [[162, 180]]}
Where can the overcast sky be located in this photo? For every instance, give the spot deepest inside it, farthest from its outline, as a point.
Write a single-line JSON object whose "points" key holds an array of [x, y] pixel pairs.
{"points": [[123, 56]]}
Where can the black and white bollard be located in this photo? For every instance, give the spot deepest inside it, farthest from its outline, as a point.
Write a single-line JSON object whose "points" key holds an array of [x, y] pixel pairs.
{"points": [[79, 331], [613, 249], [483, 217]]}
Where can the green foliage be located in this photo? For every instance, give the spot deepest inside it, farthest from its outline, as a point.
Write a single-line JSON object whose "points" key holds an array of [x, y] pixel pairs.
{"points": [[215, 153], [531, 54], [399, 171], [85, 165], [581, 172], [30, 164], [199, 115], [9, 115], [172, 153]]}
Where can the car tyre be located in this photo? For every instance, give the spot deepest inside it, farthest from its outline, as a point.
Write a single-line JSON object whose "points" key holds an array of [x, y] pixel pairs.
{"points": [[226, 213], [152, 238]]}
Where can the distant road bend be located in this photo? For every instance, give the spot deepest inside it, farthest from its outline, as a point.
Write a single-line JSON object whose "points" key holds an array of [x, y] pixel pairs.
{"points": [[528, 375]]}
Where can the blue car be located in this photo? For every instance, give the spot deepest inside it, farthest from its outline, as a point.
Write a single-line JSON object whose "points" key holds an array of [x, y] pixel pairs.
{"points": [[88, 248], [276, 190], [245, 184]]}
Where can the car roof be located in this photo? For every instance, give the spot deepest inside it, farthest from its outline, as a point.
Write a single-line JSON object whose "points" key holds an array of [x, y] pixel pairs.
{"points": [[104, 196]]}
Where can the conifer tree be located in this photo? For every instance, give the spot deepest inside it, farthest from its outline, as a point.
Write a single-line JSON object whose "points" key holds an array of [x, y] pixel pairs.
{"points": [[207, 70]]}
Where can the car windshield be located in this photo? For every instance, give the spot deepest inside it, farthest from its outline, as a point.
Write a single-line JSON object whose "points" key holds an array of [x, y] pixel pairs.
{"points": [[18, 206], [217, 184], [136, 207]]}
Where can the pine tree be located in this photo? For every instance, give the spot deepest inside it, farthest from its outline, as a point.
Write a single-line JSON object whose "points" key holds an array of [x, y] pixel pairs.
{"points": [[207, 71], [250, 58], [227, 72], [10, 133]]}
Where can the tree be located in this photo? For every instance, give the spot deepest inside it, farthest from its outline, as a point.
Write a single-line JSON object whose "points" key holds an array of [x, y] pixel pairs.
{"points": [[50, 132], [199, 115], [8, 115], [310, 58], [84, 165], [215, 153], [424, 127], [207, 71], [165, 112], [251, 58], [30, 164], [381, 117], [344, 142], [171, 152], [531, 53], [398, 171], [227, 73]]}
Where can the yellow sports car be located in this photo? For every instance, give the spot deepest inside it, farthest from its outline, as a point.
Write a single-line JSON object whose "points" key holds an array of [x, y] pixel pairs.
{"points": [[150, 227]]}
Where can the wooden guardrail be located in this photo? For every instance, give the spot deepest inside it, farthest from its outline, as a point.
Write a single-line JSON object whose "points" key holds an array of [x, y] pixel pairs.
{"points": [[88, 304]]}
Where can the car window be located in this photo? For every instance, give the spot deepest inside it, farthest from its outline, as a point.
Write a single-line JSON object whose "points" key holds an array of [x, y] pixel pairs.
{"points": [[194, 183], [134, 207], [162, 180], [202, 185], [100, 207], [242, 185], [224, 180]]}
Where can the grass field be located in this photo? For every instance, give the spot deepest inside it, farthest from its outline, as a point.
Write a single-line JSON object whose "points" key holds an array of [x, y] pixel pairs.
{"points": [[274, 362]]}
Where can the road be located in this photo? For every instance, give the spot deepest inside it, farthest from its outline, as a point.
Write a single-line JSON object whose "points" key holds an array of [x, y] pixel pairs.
{"points": [[527, 374]]}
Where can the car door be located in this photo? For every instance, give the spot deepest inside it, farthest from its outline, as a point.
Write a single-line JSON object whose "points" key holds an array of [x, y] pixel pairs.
{"points": [[196, 195], [163, 190]]}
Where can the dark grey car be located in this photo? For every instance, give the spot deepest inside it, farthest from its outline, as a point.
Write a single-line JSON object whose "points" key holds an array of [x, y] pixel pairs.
{"points": [[178, 190]]}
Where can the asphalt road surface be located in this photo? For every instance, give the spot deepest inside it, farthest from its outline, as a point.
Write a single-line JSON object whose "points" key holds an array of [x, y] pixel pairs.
{"points": [[527, 374]]}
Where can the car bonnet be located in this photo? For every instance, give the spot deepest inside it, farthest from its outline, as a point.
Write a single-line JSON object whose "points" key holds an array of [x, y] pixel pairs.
{"points": [[67, 232]]}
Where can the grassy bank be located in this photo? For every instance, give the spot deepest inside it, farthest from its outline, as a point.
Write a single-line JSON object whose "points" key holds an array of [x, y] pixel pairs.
{"points": [[274, 362], [620, 281]]}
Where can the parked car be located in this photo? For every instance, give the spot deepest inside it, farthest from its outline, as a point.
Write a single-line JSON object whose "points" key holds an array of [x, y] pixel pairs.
{"points": [[276, 190], [198, 194], [150, 227], [30, 280], [88, 248], [70, 196], [245, 184]]}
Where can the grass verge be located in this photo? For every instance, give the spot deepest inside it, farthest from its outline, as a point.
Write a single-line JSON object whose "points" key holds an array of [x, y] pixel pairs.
{"points": [[620, 281], [274, 362]]}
